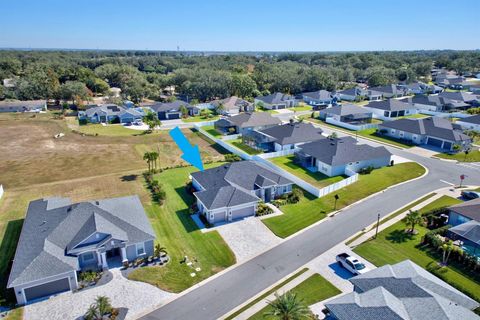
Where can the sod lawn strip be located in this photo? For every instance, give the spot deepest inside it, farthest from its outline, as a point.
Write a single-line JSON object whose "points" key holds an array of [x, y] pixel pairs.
{"points": [[312, 290], [472, 156], [200, 119], [393, 215], [237, 143], [311, 209], [266, 294], [316, 179], [178, 233], [212, 131], [393, 245]]}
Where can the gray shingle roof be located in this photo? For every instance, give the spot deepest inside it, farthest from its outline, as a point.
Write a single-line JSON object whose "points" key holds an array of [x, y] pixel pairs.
{"points": [[52, 229], [105, 109], [323, 95], [390, 105], [223, 197], [433, 126], [469, 230], [22, 105], [469, 209], [392, 89], [345, 110], [459, 96], [275, 98], [167, 106], [402, 291], [244, 175], [473, 119], [231, 103], [252, 119], [292, 133], [341, 151]]}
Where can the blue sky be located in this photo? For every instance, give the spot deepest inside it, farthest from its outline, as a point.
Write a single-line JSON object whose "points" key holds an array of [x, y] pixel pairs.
{"points": [[245, 25]]}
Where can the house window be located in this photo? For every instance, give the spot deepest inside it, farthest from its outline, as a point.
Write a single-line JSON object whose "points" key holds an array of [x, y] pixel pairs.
{"points": [[88, 256], [140, 248]]}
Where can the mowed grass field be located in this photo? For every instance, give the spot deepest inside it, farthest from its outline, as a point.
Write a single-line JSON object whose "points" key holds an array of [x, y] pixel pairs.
{"points": [[180, 235], [34, 165], [311, 209], [29, 154]]}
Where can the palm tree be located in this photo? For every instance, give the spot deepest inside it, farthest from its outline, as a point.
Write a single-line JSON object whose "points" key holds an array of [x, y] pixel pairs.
{"points": [[447, 249], [92, 313], [287, 307], [146, 157], [154, 158], [103, 305], [413, 218], [159, 250]]}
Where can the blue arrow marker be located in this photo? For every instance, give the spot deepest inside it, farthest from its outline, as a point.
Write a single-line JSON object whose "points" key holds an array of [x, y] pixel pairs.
{"points": [[191, 154]]}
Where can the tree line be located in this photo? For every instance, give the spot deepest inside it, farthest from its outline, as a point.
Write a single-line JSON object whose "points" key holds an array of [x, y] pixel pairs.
{"points": [[79, 75]]}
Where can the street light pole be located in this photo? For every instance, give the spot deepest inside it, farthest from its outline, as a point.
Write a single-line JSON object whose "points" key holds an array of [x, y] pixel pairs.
{"points": [[378, 223]]}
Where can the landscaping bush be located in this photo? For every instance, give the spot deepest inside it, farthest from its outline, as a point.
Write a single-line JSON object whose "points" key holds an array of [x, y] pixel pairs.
{"points": [[263, 209], [193, 208], [189, 187], [366, 170], [82, 122], [382, 131], [295, 196], [205, 221], [155, 188], [89, 276], [279, 202], [230, 157]]}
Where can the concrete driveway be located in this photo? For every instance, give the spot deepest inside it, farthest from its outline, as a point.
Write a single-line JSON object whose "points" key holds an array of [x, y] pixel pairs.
{"points": [[138, 297], [247, 238]]}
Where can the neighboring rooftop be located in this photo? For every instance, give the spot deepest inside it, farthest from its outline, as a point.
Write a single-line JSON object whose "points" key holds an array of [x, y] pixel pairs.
{"points": [[391, 89], [469, 230], [166, 106], [432, 126], [459, 96], [340, 151], [318, 95], [402, 291], [390, 105], [252, 119], [469, 209], [231, 103], [345, 109], [22, 105], [54, 227], [107, 109], [292, 133], [275, 98], [473, 119]]}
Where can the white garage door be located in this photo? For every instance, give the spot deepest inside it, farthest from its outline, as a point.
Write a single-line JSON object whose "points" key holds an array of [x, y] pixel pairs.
{"points": [[47, 289], [219, 217], [242, 213]]}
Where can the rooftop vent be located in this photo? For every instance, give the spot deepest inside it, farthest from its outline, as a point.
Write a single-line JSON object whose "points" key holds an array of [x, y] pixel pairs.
{"points": [[43, 222], [97, 203]]}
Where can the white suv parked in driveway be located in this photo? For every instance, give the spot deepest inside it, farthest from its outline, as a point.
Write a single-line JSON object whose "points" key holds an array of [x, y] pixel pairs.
{"points": [[352, 264]]}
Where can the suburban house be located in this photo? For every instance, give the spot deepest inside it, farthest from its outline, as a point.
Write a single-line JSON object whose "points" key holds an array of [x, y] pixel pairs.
{"points": [[352, 94], [233, 105], [340, 156], [433, 131], [232, 191], [347, 113], [452, 82], [23, 106], [319, 99], [391, 108], [109, 113], [465, 221], [464, 212], [466, 97], [171, 110], [390, 91], [276, 101], [282, 137], [470, 123], [436, 103], [401, 291], [59, 239], [421, 88], [372, 95], [475, 89], [245, 122]]}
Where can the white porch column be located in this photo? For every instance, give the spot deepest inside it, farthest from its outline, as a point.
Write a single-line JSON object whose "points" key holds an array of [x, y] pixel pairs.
{"points": [[99, 259], [104, 260], [124, 254]]}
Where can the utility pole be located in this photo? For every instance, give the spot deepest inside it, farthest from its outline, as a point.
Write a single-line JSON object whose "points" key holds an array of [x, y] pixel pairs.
{"points": [[378, 223]]}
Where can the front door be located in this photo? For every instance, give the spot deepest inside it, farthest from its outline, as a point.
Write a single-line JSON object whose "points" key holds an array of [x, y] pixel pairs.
{"points": [[268, 194]]}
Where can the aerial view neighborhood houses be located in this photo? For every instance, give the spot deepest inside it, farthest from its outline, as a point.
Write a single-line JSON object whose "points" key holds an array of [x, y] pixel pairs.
{"points": [[238, 184]]}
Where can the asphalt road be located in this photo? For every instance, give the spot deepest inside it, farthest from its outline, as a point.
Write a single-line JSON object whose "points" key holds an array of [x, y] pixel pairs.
{"points": [[222, 294]]}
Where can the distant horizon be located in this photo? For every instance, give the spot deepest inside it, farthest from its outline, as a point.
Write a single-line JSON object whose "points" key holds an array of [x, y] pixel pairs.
{"points": [[240, 26]]}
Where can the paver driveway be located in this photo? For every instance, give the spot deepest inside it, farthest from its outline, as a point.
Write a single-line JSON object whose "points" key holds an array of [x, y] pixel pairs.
{"points": [[248, 237], [138, 297]]}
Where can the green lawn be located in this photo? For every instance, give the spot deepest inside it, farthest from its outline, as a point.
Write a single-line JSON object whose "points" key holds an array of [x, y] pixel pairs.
{"points": [[442, 202], [240, 145], [393, 245], [200, 119], [372, 134], [312, 290], [315, 178], [301, 108], [311, 209], [211, 130], [472, 156], [112, 130], [180, 235], [414, 116], [15, 314], [265, 294]]}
